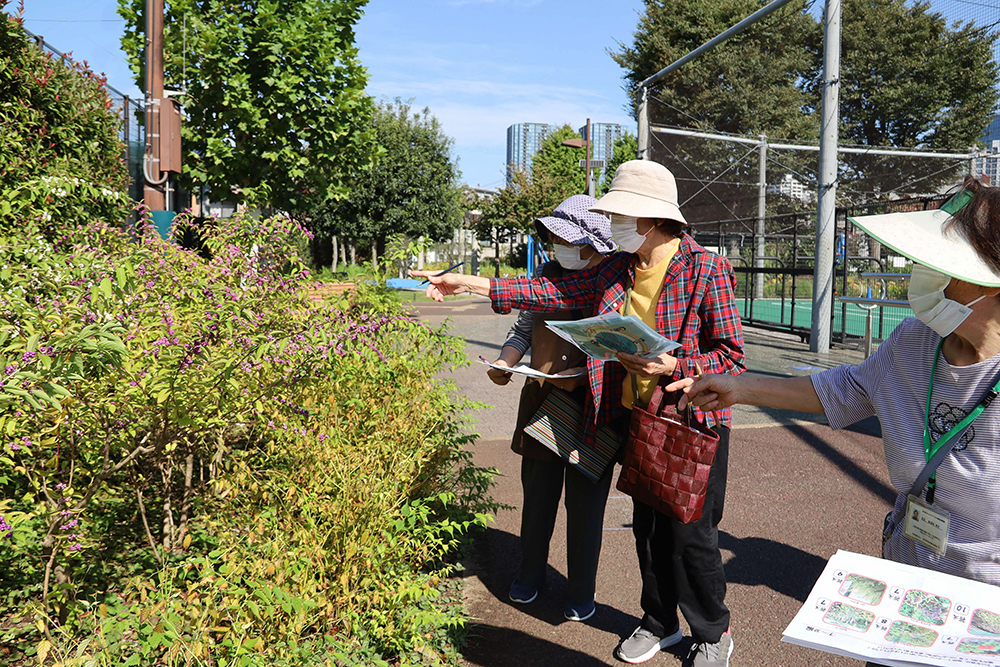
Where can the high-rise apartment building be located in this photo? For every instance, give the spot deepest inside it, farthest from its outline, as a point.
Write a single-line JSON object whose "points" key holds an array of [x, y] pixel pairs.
{"points": [[523, 141], [988, 163], [603, 145]]}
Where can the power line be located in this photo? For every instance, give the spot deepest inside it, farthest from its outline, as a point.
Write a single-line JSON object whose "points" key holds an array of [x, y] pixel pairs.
{"points": [[75, 20]]}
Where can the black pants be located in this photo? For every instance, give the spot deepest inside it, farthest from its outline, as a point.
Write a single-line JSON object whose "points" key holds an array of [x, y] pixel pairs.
{"points": [[681, 565], [542, 482]]}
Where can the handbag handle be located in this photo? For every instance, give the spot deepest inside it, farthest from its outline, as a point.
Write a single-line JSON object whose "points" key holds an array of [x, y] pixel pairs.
{"points": [[687, 411]]}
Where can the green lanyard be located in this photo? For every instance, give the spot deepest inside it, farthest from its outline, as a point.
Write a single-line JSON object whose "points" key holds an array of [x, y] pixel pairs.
{"points": [[929, 449]]}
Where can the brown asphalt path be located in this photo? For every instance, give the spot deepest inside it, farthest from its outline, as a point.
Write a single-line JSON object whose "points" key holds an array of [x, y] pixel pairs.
{"points": [[798, 491]]}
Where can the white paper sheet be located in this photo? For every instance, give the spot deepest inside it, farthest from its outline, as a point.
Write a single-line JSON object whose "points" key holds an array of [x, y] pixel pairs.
{"points": [[603, 336], [898, 615], [525, 369]]}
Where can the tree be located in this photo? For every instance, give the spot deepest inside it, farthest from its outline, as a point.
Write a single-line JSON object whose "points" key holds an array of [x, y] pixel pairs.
{"points": [[560, 166], [907, 80], [911, 81], [411, 189], [626, 148], [273, 94], [748, 85]]}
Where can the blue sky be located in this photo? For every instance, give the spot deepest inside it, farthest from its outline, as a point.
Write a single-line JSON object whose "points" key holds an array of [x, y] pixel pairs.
{"points": [[479, 65]]}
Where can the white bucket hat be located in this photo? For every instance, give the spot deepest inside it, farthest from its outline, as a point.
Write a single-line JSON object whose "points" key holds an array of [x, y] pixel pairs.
{"points": [[642, 189], [922, 237]]}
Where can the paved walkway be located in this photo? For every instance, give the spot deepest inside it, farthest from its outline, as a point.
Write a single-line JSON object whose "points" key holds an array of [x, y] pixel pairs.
{"points": [[797, 493]]}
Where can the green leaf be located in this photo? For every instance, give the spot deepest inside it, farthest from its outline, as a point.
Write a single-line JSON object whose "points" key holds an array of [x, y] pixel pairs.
{"points": [[106, 288]]}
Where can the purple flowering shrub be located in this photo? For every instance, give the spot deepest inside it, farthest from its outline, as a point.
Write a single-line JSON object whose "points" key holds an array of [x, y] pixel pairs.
{"points": [[202, 464]]}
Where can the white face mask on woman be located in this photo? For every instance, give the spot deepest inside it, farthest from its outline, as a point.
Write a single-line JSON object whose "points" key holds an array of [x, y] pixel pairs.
{"points": [[931, 306], [569, 256], [625, 232]]}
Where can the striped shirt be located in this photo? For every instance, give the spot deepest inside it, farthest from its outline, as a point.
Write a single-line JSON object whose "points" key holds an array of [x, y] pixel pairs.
{"points": [[892, 384]]}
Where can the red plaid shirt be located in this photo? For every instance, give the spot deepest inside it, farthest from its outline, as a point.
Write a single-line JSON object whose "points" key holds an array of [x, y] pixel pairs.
{"points": [[696, 308]]}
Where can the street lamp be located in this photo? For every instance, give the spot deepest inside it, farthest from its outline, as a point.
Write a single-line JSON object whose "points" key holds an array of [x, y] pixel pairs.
{"points": [[583, 143]]}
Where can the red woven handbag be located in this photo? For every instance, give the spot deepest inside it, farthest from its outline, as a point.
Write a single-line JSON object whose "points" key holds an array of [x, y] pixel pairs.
{"points": [[667, 459]]}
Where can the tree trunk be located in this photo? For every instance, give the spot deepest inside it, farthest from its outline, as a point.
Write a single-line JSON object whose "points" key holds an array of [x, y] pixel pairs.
{"points": [[420, 254], [354, 253], [168, 511], [188, 498], [498, 252], [461, 249], [374, 256], [333, 265]]}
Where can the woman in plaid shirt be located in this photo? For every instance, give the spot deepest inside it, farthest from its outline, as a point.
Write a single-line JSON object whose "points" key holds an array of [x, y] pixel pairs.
{"points": [[685, 293]]}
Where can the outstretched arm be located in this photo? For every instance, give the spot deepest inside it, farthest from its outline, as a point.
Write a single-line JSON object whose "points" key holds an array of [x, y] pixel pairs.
{"points": [[715, 392], [452, 283]]}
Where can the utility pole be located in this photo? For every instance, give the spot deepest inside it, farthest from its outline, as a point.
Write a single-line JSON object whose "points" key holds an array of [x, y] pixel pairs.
{"points": [[153, 193], [163, 127], [590, 181]]}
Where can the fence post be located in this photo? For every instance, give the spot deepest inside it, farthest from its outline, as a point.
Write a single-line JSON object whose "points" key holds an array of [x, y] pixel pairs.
{"points": [[760, 245], [643, 141], [826, 220]]}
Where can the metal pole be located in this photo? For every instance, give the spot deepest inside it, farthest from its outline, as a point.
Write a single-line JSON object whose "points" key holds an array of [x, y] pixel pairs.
{"points": [[590, 181], [806, 147], [826, 210], [643, 141], [760, 249]]}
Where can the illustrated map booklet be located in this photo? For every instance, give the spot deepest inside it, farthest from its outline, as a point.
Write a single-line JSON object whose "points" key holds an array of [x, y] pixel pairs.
{"points": [[899, 615], [525, 369], [603, 336]]}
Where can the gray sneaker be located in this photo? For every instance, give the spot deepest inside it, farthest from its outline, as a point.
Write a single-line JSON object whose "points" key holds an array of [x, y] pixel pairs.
{"points": [[713, 655], [643, 645]]}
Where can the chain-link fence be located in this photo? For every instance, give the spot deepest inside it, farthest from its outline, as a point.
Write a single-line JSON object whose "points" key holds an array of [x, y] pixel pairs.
{"points": [[132, 130], [774, 271]]}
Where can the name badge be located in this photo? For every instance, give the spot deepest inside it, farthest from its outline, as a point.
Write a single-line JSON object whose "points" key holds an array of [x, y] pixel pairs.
{"points": [[926, 525]]}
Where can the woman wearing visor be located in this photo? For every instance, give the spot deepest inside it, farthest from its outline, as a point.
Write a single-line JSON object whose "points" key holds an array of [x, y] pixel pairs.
{"points": [[685, 293], [930, 385], [580, 240]]}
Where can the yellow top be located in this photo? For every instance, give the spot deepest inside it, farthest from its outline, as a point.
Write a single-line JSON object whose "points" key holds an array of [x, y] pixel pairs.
{"points": [[645, 294]]}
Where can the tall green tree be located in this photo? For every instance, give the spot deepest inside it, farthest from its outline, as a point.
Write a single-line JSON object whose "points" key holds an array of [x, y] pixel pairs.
{"points": [[411, 189], [907, 79], [910, 80], [626, 148], [273, 95], [748, 85], [560, 165]]}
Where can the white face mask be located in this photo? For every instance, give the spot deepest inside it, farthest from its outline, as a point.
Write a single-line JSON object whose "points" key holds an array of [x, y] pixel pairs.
{"points": [[931, 306], [624, 232], [569, 256]]}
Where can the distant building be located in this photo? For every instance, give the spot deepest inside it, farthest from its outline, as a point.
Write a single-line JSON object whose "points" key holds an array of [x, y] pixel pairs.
{"points": [[523, 141], [603, 145], [988, 163], [792, 188]]}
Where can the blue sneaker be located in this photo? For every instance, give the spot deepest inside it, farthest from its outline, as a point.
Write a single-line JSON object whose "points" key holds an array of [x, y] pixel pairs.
{"points": [[522, 594], [579, 612]]}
